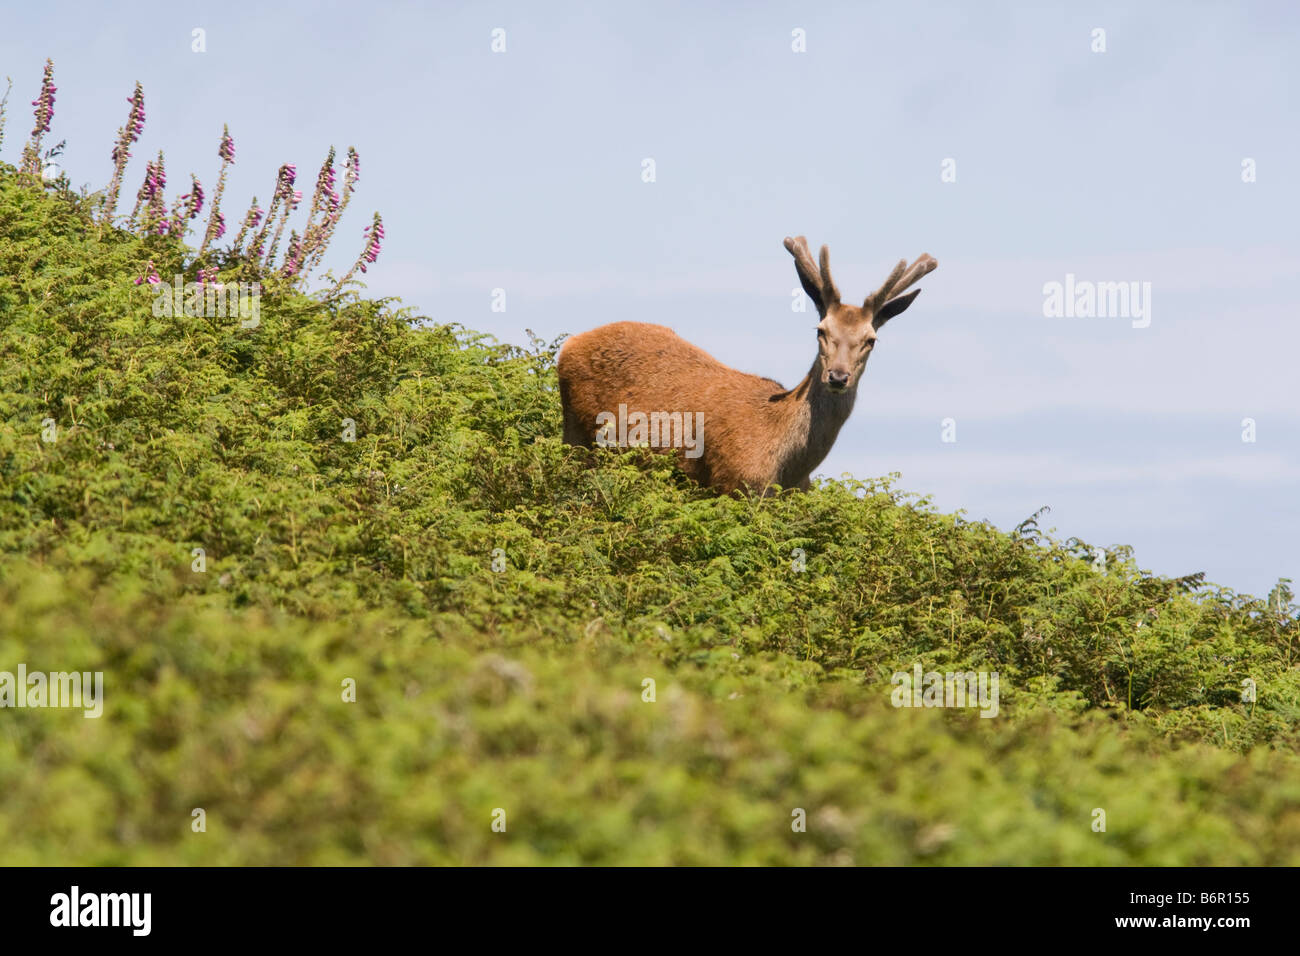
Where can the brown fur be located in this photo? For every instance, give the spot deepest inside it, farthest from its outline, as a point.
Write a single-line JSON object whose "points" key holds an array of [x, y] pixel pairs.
{"points": [[755, 433]]}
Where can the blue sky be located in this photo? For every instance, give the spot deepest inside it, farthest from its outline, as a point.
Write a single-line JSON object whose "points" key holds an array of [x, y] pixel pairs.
{"points": [[522, 170]]}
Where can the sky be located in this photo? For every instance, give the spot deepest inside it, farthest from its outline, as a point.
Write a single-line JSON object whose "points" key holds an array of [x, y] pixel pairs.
{"points": [[1013, 142]]}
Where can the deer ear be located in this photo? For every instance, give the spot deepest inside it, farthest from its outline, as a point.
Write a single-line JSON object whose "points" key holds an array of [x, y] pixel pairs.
{"points": [[892, 308]]}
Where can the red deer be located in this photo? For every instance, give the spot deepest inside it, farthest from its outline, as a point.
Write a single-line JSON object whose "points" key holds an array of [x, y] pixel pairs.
{"points": [[630, 383]]}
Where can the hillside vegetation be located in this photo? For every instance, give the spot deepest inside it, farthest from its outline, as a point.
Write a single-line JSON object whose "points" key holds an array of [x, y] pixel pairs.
{"points": [[127, 441]]}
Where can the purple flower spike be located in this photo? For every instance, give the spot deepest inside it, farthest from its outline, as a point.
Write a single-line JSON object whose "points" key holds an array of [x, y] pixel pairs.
{"points": [[45, 102], [193, 200], [151, 276], [376, 232], [44, 113], [127, 135]]}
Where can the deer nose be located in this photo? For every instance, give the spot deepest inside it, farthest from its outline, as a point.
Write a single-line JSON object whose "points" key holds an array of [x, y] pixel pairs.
{"points": [[838, 379]]}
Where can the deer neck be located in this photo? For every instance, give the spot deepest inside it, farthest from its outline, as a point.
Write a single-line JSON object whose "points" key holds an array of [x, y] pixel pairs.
{"points": [[813, 417]]}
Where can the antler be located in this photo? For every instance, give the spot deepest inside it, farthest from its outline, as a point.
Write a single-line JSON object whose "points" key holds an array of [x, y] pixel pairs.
{"points": [[816, 282], [900, 279], [830, 294]]}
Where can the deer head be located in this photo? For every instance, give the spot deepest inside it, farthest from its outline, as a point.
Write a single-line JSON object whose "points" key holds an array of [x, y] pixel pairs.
{"points": [[846, 334]]}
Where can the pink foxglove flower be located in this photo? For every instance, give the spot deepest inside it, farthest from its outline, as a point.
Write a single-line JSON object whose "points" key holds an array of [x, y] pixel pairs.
{"points": [[44, 113], [192, 201], [216, 221], [374, 238], [151, 276], [376, 232], [127, 135]]}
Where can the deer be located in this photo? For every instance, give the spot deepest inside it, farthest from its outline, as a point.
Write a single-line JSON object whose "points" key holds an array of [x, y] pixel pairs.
{"points": [[761, 436]]}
